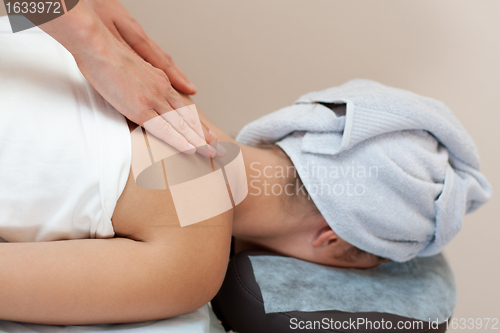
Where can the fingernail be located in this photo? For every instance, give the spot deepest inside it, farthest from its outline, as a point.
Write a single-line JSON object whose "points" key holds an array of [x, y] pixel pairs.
{"points": [[221, 151], [212, 134], [191, 149], [213, 151]]}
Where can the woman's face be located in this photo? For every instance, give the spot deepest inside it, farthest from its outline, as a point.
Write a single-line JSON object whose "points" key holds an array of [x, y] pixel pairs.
{"points": [[304, 237], [331, 255], [272, 219]]}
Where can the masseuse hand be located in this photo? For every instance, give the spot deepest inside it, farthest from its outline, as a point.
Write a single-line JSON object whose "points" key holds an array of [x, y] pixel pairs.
{"points": [[129, 32], [133, 86]]}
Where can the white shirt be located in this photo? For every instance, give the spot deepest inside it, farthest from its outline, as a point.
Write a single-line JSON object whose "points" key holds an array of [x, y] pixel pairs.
{"points": [[64, 151]]}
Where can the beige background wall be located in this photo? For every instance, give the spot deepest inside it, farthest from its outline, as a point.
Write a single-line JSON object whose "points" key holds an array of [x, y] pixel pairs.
{"points": [[249, 58]]}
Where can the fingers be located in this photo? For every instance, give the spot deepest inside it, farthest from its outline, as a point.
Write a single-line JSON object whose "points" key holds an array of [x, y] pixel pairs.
{"points": [[169, 126], [164, 61], [179, 124], [177, 77], [211, 138], [164, 131], [149, 50], [209, 135], [184, 119], [179, 80], [190, 115], [162, 111]]}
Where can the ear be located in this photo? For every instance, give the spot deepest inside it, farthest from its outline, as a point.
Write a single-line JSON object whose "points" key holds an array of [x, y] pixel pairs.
{"points": [[325, 237]]}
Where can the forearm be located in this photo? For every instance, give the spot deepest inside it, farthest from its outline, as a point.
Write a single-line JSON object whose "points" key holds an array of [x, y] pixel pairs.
{"points": [[73, 282], [118, 280]]}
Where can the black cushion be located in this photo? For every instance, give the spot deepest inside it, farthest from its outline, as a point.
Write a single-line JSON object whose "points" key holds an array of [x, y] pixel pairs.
{"points": [[240, 307]]}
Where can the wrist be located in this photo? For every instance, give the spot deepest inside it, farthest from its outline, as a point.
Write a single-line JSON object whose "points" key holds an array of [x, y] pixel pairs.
{"points": [[91, 39], [80, 31]]}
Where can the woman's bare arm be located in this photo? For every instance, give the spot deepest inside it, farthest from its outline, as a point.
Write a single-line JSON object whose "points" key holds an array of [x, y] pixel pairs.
{"points": [[160, 270], [116, 280]]}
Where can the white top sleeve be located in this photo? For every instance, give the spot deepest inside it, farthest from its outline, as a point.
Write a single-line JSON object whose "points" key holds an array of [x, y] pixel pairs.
{"points": [[64, 151]]}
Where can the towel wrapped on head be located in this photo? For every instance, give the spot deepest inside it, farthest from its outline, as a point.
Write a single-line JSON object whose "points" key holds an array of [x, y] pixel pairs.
{"points": [[393, 175]]}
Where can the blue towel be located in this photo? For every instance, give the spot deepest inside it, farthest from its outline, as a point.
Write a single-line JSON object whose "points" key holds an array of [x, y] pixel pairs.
{"points": [[394, 175]]}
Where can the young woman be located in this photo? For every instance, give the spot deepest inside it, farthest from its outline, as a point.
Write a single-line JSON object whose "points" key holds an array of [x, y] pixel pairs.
{"points": [[65, 176], [66, 187]]}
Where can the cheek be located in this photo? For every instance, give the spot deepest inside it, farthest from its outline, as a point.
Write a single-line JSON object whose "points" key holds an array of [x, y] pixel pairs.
{"points": [[293, 247]]}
